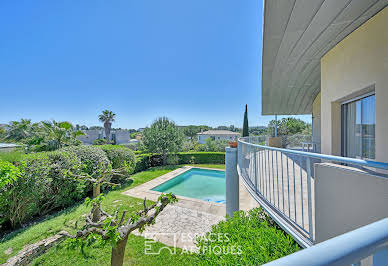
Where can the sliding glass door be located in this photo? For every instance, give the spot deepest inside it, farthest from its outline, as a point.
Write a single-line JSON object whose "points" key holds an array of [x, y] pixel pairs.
{"points": [[358, 128]]}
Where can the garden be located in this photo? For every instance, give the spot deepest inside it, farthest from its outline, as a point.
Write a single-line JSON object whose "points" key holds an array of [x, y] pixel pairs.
{"points": [[56, 184]]}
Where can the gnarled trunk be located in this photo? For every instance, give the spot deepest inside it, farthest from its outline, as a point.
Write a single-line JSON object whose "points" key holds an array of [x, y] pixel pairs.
{"points": [[118, 252], [96, 210]]}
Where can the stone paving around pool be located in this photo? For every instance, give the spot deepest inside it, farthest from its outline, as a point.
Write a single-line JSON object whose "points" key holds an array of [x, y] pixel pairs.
{"points": [[178, 227], [179, 223]]}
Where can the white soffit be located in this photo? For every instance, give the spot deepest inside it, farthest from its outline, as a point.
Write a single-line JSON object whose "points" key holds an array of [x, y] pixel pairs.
{"points": [[296, 34]]}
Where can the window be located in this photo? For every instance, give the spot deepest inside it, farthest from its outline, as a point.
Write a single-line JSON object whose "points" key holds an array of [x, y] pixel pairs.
{"points": [[358, 128]]}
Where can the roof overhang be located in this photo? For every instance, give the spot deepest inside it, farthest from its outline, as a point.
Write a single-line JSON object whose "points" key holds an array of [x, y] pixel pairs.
{"points": [[296, 34]]}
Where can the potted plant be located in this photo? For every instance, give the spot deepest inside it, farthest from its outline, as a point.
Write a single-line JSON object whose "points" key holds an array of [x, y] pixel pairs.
{"points": [[233, 144]]}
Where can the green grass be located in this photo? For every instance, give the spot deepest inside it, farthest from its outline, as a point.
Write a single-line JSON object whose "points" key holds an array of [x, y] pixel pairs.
{"points": [[69, 218], [261, 242], [12, 156]]}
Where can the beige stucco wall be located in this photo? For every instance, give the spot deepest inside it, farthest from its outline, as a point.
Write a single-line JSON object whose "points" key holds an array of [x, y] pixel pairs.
{"points": [[356, 65], [346, 199], [317, 119]]}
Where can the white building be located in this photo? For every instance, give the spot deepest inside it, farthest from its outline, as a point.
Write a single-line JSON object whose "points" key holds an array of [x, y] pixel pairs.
{"points": [[117, 136], [217, 135]]}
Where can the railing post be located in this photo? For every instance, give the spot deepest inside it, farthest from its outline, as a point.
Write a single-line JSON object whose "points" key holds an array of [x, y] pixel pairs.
{"points": [[309, 200], [232, 182]]}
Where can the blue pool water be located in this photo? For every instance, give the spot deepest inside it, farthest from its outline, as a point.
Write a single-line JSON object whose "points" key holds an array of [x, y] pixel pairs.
{"points": [[208, 185]]}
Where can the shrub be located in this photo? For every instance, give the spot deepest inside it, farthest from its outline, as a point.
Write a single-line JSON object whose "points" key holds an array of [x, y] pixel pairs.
{"points": [[100, 142], [8, 173], [245, 239], [93, 159], [147, 160], [120, 158], [172, 159], [142, 162], [133, 146], [46, 183]]}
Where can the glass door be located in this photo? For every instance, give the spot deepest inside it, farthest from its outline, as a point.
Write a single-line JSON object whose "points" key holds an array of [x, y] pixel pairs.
{"points": [[358, 128]]}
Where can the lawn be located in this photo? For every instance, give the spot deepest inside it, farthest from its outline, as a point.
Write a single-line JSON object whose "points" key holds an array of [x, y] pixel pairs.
{"points": [[71, 217]]}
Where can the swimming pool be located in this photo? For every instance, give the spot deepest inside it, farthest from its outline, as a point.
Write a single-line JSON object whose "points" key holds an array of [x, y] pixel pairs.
{"points": [[207, 185]]}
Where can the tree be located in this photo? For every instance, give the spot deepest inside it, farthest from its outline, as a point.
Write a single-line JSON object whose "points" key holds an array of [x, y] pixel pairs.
{"points": [[19, 130], [163, 137], [3, 133], [107, 117], [245, 132], [287, 126], [59, 134], [115, 229], [191, 131]]}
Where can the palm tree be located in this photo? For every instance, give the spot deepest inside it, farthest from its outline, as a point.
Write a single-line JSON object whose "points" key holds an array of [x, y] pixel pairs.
{"points": [[107, 117], [60, 133]]}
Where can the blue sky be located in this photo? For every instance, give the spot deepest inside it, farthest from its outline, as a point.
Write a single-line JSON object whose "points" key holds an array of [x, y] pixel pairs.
{"points": [[195, 61]]}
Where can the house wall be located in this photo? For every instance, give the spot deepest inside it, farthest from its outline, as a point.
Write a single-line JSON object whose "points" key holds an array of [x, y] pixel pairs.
{"points": [[317, 120], [202, 138], [355, 66], [346, 199], [90, 136], [122, 136]]}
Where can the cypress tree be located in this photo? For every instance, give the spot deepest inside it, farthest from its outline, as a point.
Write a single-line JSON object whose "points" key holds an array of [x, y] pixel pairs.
{"points": [[245, 132]]}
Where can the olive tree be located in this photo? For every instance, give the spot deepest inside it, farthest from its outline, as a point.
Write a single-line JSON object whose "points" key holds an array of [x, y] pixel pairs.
{"points": [[116, 228], [163, 137]]}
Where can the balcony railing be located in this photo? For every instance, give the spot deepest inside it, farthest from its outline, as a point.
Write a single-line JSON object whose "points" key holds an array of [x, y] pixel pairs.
{"points": [[282, 181], [347, 249]]}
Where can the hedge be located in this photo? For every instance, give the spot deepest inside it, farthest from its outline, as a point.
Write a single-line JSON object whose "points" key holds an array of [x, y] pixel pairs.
{"points": [[46, 182], [44, 185], [201, 157], [147, 160]]}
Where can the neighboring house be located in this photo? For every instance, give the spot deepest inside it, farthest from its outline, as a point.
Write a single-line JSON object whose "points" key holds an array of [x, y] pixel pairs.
{"points": [[217, 135], [4, 126], [5, 147], [117, 136], [328, 59]]}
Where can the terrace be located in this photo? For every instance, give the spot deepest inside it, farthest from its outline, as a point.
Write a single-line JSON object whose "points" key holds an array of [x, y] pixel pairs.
{"points": [[295, 189]]}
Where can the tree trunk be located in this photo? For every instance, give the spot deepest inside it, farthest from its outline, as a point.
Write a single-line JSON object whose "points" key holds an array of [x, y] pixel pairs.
{"points": [[164, 158], [118, 252], [96, 212], [108, 127]]}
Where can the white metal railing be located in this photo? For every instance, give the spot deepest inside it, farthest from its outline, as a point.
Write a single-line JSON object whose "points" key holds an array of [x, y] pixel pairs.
{"points": [[282, 181], [346, 249]]}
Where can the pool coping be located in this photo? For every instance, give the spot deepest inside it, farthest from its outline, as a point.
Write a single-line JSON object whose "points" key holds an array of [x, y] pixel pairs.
{"points": [[145, 191]]}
